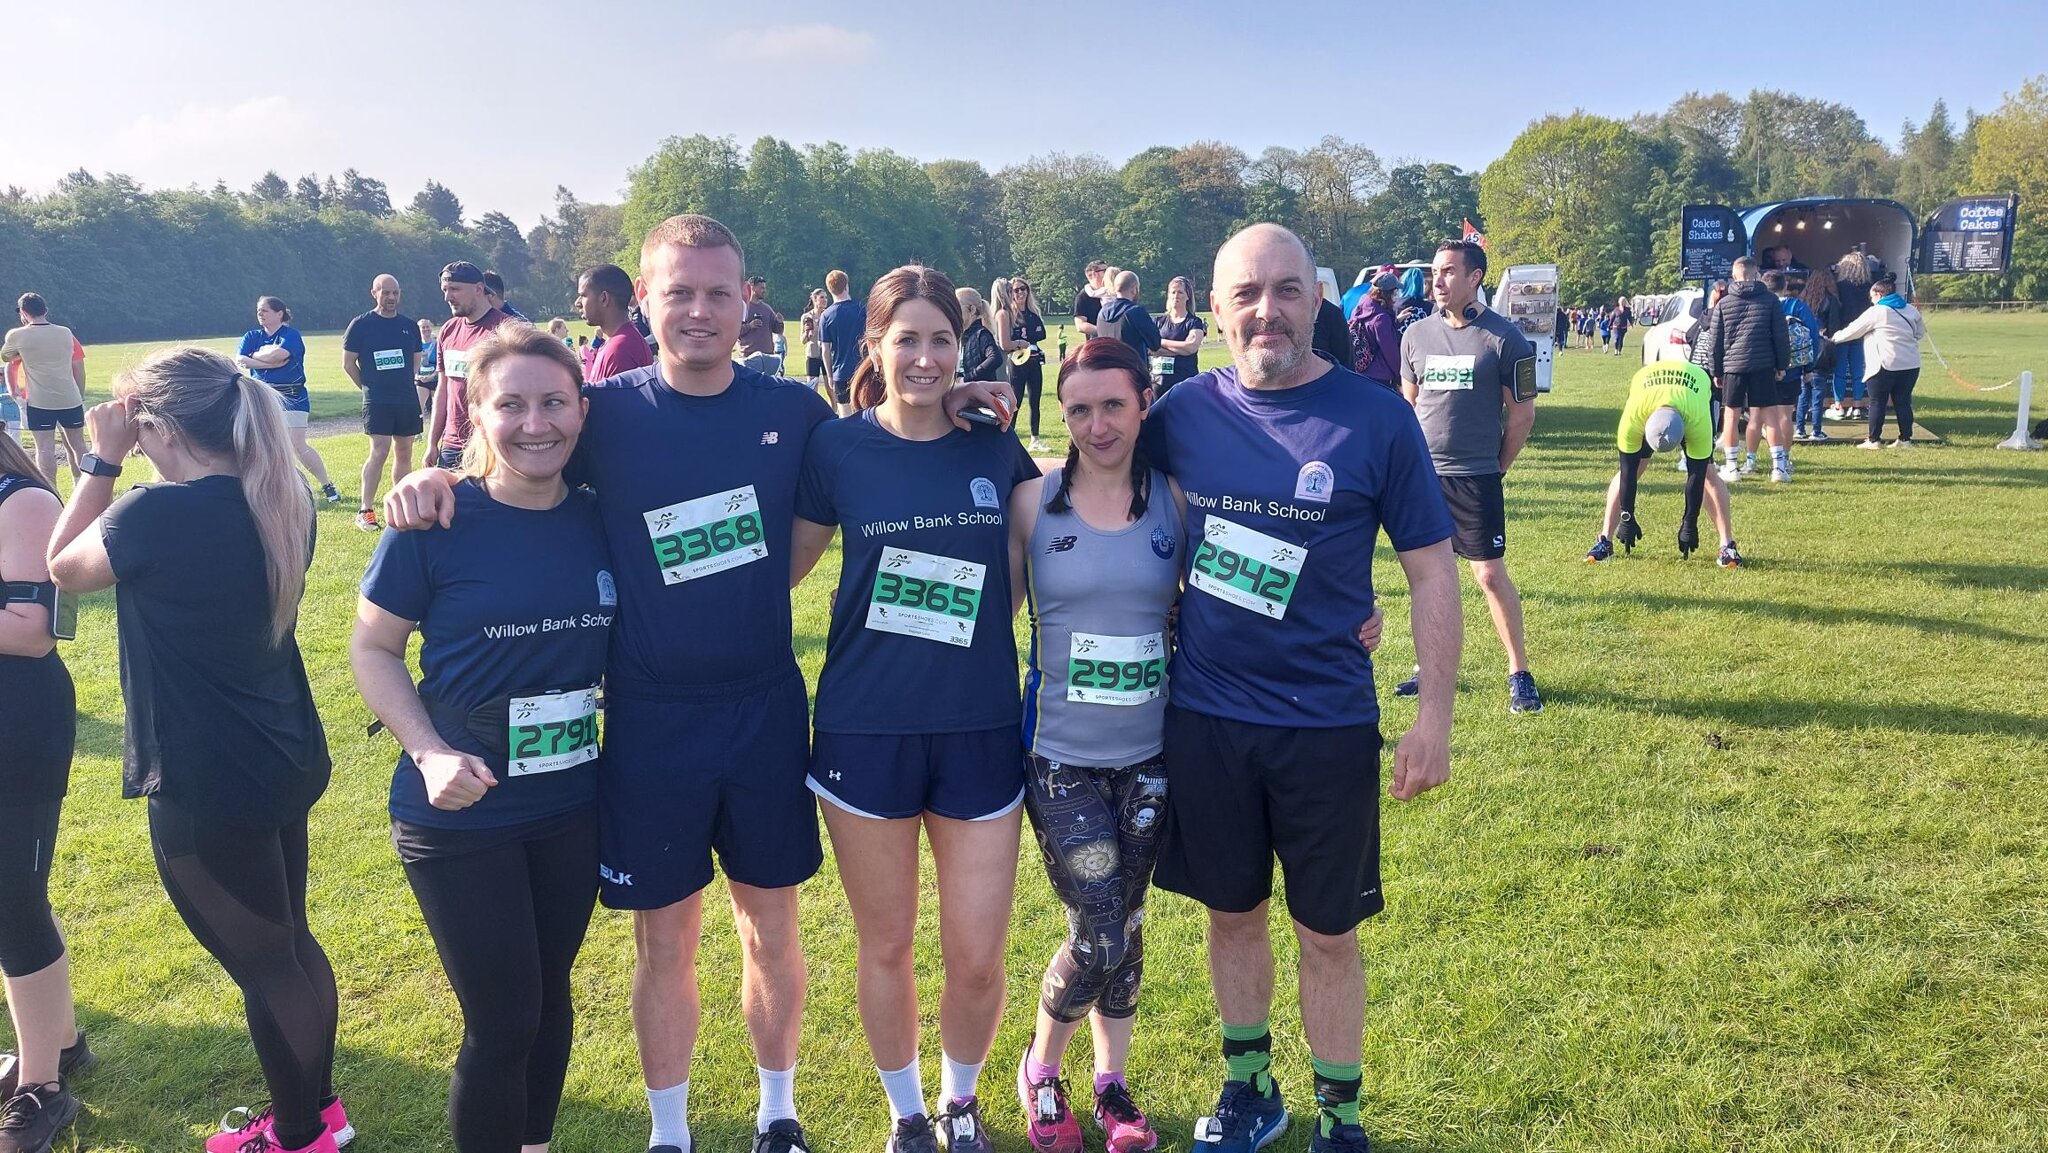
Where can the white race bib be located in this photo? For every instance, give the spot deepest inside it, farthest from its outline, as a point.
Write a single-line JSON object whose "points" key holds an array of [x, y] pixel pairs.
{"points": [[388, 359], [1447, 373], [455, 363], [549, 733], [921, 595], [707, 535], [1246, 567], [1106, 670]]}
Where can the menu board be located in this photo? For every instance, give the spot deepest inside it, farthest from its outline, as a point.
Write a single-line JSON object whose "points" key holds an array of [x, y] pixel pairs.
{"points": [[1713, 238], [1527, 296], [1970, 234]]}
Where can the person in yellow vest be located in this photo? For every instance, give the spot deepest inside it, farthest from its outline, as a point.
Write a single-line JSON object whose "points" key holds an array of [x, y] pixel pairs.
{"points": [[1670, 406]]}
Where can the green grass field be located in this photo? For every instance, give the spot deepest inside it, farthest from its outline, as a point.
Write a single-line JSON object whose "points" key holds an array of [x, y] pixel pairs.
{"points": [[1769, 874]]}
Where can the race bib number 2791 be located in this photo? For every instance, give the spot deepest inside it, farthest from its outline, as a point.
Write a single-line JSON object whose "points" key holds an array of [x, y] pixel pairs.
{"points": [[1246, 567]]}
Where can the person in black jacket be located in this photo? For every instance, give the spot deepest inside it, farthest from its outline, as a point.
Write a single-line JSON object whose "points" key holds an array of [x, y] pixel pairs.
{"points": [[1751, 349], [1332, 336], [981, 358]]}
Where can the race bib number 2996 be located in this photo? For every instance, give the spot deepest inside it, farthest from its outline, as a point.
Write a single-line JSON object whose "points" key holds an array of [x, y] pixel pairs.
{"points": [[1246, 567]]}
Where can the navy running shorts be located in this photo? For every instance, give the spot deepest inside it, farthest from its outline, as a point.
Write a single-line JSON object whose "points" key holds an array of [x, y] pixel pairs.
{"points": [[690, 771], [1245, 794], [973, 776]]}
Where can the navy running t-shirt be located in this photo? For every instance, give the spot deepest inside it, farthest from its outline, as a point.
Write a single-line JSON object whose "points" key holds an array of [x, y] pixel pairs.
{"points": [[384, 347], [698, 495], [921, 640], [842, 326], [511, 602], [1287, 492]]}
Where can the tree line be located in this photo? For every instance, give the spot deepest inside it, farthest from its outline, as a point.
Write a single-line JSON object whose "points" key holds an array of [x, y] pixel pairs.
{"points": [[1599, 196]]}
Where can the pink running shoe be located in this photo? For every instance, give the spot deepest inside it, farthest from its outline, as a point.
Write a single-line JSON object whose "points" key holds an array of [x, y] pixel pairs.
{"points": [[266, 1142], [1049, 1124], [1124, 1128], [241, 1125]]}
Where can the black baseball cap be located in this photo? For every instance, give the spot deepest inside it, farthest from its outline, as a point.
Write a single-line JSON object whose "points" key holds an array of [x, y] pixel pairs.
{"points": [[462, 272]]}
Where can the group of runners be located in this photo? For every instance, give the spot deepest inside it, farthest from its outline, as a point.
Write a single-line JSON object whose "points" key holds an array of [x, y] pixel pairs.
{"points": [[1198, 698]]}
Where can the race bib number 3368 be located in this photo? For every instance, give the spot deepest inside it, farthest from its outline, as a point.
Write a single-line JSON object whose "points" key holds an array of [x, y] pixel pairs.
{"points": [[707, 535], [1246, 567], [921, 595]]}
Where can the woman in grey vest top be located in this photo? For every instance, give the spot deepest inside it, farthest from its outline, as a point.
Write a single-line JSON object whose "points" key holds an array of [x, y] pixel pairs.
{"points": [[1103, 548]]}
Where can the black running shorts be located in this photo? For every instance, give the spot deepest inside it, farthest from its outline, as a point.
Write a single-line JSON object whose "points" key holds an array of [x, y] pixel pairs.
{"points": [[1245, 794]]}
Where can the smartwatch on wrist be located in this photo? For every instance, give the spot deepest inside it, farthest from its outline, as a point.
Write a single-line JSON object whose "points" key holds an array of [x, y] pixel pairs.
{"points": [[92, 465]]}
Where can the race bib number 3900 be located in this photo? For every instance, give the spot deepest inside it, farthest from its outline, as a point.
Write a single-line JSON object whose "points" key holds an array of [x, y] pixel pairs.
{"points": [[550, 733], [388, 359], [1247, 568], [708, 535], [921, 595], [1105, 670]]}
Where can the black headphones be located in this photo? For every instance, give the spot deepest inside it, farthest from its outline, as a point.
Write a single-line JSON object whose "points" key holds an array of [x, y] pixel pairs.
{"points": [[1471, 312]]}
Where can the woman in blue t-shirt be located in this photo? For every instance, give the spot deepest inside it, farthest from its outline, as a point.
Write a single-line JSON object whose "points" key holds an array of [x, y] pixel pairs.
{"points": [[492, 802], [274, 353], [918, 707], [430, 366]]}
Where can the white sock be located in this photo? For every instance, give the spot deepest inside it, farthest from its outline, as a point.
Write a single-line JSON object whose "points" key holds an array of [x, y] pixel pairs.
{"points": [[1732, 458], [905, 1088], [1781, 456], [778, 1097], [957, 1081], [671, 1110]]}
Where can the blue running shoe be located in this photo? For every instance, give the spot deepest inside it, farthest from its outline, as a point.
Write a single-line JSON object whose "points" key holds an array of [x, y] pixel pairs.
{"points": [[1522, 694], [1602, 549], [1341, 1139], [1412, 686], [1244, 1120]]}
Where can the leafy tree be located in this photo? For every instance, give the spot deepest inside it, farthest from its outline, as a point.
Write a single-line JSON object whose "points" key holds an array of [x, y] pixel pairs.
{"points": [[971, 201], [504, 248], [1058, 207], [308, 193], [271, 188], [2012, 156], [687, 174], [1150, 232], [1568, 191], [436, 203], [1927, 168], [362, 194], [1421, 205]]}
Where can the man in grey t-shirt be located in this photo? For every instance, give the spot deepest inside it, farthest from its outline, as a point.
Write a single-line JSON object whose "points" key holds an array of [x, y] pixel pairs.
{"points": [[1471, 376]]}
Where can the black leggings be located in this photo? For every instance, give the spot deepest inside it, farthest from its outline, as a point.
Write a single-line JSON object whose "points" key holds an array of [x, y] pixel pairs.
{"points": [[1028, 380], [1894, 385], [29, 941], [1098, 832], [508, 920], [242, 892]]}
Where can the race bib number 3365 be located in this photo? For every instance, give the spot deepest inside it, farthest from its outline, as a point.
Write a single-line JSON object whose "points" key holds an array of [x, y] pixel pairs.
{"points": [[550, 733], [707, 535], [921, 595], [1247, 568]]}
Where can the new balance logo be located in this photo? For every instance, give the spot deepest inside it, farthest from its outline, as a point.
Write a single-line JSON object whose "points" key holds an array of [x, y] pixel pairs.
{"points": [[1061, 544], [771, 438]]}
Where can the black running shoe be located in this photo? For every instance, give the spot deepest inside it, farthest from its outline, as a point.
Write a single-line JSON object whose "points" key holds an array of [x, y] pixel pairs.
{"points": [[785, 1136], [914, 1135], [75, 1058], [32, 1118]]}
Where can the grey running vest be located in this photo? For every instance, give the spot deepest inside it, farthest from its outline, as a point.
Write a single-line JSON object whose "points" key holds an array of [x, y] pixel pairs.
{"points": [[1095, 689]]}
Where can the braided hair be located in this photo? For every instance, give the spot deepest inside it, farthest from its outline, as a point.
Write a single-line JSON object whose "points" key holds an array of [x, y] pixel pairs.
{"points": [[1099, 354]]}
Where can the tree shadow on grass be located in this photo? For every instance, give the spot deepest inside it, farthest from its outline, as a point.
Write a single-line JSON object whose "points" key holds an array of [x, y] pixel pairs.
{"points": [[2021, 578], [1792, 711], [159, 1086], [1799, 613]]}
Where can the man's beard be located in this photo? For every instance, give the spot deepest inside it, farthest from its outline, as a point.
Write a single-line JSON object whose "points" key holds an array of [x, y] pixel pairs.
{"points": [[1264, 363]]}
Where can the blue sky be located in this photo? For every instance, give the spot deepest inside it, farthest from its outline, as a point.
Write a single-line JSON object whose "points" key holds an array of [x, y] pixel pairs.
{"points": [[504, 101]]}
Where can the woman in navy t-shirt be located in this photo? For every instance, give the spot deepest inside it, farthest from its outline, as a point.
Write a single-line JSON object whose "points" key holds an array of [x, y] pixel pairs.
{"points": [[918, 706], [274, 353], [492, 802]]}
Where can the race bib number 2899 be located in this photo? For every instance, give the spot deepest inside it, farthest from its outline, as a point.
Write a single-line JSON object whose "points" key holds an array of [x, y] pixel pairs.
{"points": [[1246, 567]]}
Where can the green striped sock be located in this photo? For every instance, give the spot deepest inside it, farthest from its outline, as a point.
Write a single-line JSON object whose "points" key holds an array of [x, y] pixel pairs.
{"points": [[1336, 1094], [1248, 1052]]}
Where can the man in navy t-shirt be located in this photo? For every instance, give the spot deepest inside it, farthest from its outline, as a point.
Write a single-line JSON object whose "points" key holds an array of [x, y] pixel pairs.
{"points": [[380, 351], [1292, 466], [841, 328]]}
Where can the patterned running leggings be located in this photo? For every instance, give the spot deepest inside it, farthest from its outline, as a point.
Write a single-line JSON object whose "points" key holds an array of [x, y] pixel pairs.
{"points": [[1098, 832]]}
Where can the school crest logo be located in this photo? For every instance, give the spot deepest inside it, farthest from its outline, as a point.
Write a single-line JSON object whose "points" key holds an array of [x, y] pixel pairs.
{"points": [[984, 492], [1315, 482], [607, 591], [1162, 544]]}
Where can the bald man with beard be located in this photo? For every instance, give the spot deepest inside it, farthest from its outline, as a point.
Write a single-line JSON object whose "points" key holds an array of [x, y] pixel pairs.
{"points": [[1291, 467], [381, 353]]}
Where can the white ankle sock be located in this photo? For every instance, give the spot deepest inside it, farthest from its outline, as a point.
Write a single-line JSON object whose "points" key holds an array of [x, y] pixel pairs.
{"points": [[778, 1097], [671, 1110], [905, 1088], [957, 1081]]}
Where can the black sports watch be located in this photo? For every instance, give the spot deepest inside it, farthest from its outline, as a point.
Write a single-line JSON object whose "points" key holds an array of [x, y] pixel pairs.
{"points": [[92, 465]]}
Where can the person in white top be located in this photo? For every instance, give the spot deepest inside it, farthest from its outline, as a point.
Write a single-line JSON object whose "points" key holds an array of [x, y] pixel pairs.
{"points": [[1891, 330]]}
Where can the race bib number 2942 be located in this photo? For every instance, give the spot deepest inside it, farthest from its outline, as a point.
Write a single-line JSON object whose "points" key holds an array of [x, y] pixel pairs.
{"points": [[1247, 568]]}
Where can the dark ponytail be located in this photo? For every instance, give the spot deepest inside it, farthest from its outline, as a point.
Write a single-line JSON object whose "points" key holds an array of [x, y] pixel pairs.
{"points": [[1098, 354]]}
